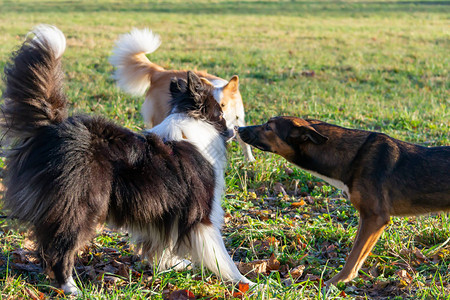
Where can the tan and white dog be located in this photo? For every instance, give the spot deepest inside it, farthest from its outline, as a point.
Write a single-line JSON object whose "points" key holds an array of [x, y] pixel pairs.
{"points": [[136, 74]]}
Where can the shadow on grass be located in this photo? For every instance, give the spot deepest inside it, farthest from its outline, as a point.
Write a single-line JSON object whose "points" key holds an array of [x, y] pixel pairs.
{"points": [[294, 8]]}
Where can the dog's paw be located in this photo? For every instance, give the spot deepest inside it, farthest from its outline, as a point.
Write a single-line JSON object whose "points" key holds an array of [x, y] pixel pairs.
{"points": [[70, 288], [181, 265], [250, 158]]}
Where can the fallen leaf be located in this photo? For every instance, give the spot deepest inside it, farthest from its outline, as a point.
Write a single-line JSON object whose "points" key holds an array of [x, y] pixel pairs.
{"points": [[110, 251], [297, 271], [31, 294], [298, 204], [108, 279], [265, 245], [380, 285], [310, 199], [182, 295], [243, 287], [252, 269], [405, 278], [20, 256], [373, 271], [28, 267], [90, 271], [279, 189], [288, 171], [109, 269], [284, 270], [272, 241], [273, 263], [419, 255], [227, 218], [329, 249], [308, 73], [123, 270], [312, 277]]}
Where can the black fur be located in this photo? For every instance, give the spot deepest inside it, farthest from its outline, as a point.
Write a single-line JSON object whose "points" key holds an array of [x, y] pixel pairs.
{"points": [[42, 100], [209, 111], [65, 175]]}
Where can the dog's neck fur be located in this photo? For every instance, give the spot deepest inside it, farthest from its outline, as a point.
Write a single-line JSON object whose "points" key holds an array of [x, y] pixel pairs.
{"points": [[326, 160], [179, 127]]}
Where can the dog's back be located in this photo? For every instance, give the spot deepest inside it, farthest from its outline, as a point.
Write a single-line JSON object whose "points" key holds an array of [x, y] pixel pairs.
{"points": [[417, 178]]}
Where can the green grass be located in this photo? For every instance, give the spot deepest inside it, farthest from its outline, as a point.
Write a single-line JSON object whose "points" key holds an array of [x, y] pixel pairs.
{"points": [[377, 65]]}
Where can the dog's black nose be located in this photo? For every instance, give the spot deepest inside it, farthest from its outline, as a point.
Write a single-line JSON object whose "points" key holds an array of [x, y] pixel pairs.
{"points": [[243, 133]]}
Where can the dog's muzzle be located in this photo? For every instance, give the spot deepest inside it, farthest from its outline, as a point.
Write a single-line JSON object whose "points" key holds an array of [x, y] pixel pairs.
{"points": [[229, 134], [246, 134]]}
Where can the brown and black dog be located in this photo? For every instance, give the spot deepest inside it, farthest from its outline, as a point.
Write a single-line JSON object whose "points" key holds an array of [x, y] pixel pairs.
{"points": [[381, 175]]}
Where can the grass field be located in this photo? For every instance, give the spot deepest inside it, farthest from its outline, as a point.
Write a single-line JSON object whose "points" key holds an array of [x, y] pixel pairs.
{"points": [[377, 65]]}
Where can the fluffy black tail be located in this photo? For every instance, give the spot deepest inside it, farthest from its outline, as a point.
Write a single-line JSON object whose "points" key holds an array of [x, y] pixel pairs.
{"points": [[34, 96]]}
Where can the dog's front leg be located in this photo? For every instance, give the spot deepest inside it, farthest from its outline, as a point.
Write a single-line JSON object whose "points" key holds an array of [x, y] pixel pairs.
{"points": [[246, 149], [369, 230]]}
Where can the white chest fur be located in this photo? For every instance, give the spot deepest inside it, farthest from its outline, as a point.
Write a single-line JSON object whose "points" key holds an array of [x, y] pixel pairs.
{"points": [[334, 182]]}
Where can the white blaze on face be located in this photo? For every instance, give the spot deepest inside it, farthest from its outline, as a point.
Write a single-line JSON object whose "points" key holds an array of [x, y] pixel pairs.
{"points": [[230, 114], [218, 88]]}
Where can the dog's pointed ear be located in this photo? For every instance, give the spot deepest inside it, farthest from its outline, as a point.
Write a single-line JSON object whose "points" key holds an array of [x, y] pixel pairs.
{"points": [[194, 83], [305, 133], [206, 81], [177, 86], [232, 85]]}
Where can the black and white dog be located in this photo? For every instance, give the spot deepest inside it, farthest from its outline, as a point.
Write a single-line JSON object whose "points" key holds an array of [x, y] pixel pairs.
{"points": [[65, 175]]}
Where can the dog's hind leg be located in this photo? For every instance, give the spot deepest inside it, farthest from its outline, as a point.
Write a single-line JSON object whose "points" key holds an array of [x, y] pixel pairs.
{"points": [[175, 261], [208, 249], [370, 229], [58, 250], [147, 112], [246, 149], [59, 240], [62, 271]]}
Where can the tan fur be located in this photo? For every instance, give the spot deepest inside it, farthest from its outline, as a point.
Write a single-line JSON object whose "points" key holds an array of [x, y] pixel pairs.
{"points": [[156, 106]]}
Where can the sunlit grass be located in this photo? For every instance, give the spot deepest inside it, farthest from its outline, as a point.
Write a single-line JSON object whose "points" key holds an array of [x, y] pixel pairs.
{"points": [[372, 65]]}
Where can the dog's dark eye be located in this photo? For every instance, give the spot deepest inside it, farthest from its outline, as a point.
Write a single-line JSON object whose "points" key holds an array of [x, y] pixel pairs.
{"points": [[267, 127]]}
